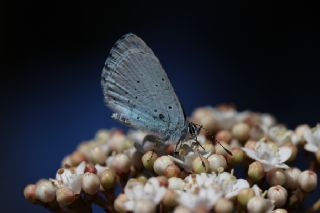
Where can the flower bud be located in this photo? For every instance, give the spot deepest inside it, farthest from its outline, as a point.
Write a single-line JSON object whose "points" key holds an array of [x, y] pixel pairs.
{"points": [[76, 158], [170, 198], [172, 171], [90, 183], [137, 160], [224, 136], [119, 203], [256, 171], [45, 191], [121, 164], [65, 196], [200, 164], [237, 156], [217, 163], [245, 195], [276, 177], [278, 195], [318, 155], [176, 183], [241, 132], [223, 205], [148, 159], [98, 156], [108, 179], [208, 147], [144, 206], [307, 181], [30, 193], [279, 211], [160, 164], [292, 176], [257, 205], [221, 151]]}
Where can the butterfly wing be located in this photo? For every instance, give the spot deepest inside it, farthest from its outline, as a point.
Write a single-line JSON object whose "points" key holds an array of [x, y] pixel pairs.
{"points": [[137, 89]]}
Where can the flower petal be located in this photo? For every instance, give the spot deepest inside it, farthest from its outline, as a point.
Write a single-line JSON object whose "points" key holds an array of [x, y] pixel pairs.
{"points": [[285, 153], [251, 153], [308, 136], [311, 147]]}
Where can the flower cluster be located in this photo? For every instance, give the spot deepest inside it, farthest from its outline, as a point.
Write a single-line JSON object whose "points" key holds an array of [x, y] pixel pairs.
{"points": [[130, 173]]}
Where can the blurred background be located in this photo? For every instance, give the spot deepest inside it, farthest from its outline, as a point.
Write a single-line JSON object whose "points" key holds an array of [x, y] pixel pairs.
{"points": [[262, 56]]}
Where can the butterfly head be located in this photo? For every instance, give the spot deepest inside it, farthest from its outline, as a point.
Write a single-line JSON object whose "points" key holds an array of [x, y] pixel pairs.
{"points": [[194, 129]]}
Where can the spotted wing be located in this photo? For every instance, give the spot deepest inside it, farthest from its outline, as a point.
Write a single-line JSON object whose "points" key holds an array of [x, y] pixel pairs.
{"points": [[137, 89]]}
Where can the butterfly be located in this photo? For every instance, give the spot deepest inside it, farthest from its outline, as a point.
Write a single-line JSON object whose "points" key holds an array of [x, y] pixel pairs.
{"points": [[137, 89]]}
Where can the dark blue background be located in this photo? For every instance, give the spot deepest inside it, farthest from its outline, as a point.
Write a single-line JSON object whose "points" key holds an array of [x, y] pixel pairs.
{"points": [[259, 56]]}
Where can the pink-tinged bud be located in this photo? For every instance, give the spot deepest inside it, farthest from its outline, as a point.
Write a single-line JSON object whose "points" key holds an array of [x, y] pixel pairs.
{"points": [[237, 156], [181, 209], [90, 168], [98, 156], [278, 195], [172, 171], [65, 196], [30, 193], [45, 191], [257, 205], [276, 177], [119, 203], [200, 165], [121, 164], [223, 206], [137, 160], [108, 179], [176, 183], [170, 199], [308, 181], [148, 159], [241, 132], [256, 171], [292, 176], [279, 211], [76, 158], [217, 163], [145, 206], [90, 183], [224, 136], [318, 155], [221, 151], [160, 164], [250, 144], [244, 196]]}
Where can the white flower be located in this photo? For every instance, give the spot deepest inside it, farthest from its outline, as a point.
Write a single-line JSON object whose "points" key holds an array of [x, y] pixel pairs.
{"points": [[190, 152], [136, 191], [313, 139], [267, 121], [270, 155], [228, 184], [280, 135], [258, 193], [204, 198], [71, 177]]}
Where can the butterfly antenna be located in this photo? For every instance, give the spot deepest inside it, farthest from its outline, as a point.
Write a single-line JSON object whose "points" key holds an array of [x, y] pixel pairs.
{"points": [[225, 149]]}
